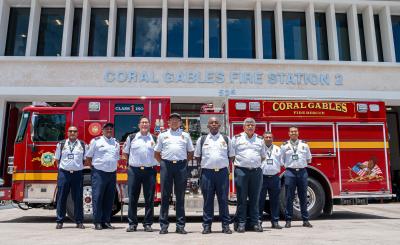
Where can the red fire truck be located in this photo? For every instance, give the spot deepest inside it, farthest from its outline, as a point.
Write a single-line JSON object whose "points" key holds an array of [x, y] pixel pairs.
{"points": [[348, 142], [33, 168]]}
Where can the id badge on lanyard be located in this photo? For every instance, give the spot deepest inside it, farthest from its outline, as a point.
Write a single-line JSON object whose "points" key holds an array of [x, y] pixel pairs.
{"points": [[295, 156], [71, 156], [270, 161]]}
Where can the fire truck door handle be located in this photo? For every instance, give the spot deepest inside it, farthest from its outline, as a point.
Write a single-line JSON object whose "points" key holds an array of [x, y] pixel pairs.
{"points": [[33, 147]]}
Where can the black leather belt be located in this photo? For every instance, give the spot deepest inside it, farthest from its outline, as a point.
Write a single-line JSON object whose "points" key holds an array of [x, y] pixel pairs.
{"points": [[214, 169], [244, 168], [295, 169], [175, 161], [142, 167], [69, 171]]}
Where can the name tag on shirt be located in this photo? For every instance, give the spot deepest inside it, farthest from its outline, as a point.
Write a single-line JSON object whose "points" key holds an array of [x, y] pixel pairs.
{"points": [[295, 157], [270, 161], [71, 156]]}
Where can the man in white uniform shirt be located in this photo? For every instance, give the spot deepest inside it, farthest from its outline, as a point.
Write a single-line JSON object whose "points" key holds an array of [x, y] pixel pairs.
{"points": [[69, 158], [103, 156], [139, 150], [214, 151], [271, 167]]}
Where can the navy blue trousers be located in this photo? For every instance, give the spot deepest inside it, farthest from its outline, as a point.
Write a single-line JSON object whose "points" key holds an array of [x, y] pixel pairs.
{"points": [[173, 174], [296, 179], [103, 193], [215, 183], [248, 186], [137, 178], [69, 182], [272, 186]]}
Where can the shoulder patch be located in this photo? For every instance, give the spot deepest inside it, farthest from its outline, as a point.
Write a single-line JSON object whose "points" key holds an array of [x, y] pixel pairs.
{"points": [[303, 141], [286, 142], [97, 138], [260, 137], [237, 136], [163, 131]]}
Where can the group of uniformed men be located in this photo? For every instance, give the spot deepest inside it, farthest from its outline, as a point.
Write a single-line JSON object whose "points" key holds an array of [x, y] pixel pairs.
{"points": [[257, 165]]}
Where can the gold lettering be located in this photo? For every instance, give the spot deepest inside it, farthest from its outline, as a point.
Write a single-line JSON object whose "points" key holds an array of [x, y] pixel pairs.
{"points": [[282, 106], [296, 106], [302, 106], [317, 106], [344, 107], [311, 105], [275, 106], [289, 106], [325, 106]]}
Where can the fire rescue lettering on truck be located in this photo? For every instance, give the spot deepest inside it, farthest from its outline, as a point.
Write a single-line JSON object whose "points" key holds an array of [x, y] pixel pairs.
{"points": [[331, 106]]}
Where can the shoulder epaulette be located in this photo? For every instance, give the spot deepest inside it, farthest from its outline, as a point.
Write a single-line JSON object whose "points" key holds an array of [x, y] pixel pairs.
{"points": [[260, 137], [97, 138], [303, 141], [286, 142], [237, 136], [163, 131]]}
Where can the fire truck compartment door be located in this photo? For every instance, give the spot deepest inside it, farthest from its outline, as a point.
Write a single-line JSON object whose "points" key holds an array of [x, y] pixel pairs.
{"points": [[363, 158]]}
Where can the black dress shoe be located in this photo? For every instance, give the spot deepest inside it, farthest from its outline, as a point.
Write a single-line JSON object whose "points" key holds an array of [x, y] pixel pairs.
{"points": [[288, 224], [147, 228], [206, 230], [59, 226], [226, 230], [181, 231], [257, 228], [98, 226], [275, 225], [241, 228], [107, 226], [131, 228], [80, 226], [307, 224], [235, 226], [164, 230]]}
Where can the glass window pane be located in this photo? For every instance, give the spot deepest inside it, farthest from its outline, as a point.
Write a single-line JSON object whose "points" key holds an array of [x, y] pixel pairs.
{"points": [[378, 37], [50, 32], [240, 24], [22, 127], [147, 33], [125, 125], [76, 33], [17, 32], [322, 36], [175, 33], [196, 33], [98, 34], [362, 37], [268, 31], [295, 35], [215, 33], [343, 37], [49, 127], [396, 35], [120, 33]]}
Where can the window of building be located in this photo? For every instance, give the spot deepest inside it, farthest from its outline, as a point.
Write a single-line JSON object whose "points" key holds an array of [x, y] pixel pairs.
{"points": [[196, 33], [343, 37], [175, 33], [396, 35], [98, 34], [17, 32], [120, 33], [268, 33], [48, 127], [50, 32], [215, 33], [76, 33], [378, 37], [241, 37], [295, 35], [321, 36], [147, 32], [362, 37]]}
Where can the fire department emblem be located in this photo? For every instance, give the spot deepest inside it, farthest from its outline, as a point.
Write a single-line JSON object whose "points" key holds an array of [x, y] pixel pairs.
{"points": [[47, 159], [366, 171], [94, 129]]}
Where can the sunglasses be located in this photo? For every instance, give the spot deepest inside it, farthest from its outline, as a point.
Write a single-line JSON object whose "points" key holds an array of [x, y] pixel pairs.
{"points": [[72, 131]]}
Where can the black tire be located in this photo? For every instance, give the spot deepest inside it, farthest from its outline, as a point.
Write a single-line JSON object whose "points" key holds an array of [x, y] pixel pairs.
{"points": [[316, 198], [87, 207]]}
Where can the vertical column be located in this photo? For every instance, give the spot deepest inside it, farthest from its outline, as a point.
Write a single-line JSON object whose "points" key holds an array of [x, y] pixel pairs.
{"points": [[332, 33], [85, 26], [280, 46], [311, 35], [186, 28], [369, 32], [354, 33], [206, 29], [4, 16], [33, 28], [258, 32], [68, 28], [224, 31], [385, 20], [129, 29], [164, 28], [2, 122], [112, 28]]}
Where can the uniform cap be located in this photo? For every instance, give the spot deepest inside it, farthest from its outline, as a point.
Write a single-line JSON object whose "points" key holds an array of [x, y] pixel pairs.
{"points": [[111, 125], [176, 115]]}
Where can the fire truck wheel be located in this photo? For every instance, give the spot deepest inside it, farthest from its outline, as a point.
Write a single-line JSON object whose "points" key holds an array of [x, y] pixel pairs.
{"points": [[315, 200]]}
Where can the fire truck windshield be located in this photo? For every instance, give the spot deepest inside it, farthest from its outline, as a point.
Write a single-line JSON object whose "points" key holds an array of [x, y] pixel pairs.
{"points": [[22, 127], [48, 127]]}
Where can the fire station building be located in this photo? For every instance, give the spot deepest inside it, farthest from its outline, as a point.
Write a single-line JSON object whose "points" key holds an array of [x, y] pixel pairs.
{"points": [[198, 51]]}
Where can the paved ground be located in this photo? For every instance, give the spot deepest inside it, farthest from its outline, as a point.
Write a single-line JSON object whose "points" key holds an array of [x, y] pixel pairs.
{"points": [[369, 224]]}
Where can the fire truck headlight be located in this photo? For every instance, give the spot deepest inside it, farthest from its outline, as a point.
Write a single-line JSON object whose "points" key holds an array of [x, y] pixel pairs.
{"points": [[1, 182], [374, 107], [10, 168]]}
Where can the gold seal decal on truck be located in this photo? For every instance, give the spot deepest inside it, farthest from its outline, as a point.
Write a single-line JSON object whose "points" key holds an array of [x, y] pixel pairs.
{"points": [[47, 159]]}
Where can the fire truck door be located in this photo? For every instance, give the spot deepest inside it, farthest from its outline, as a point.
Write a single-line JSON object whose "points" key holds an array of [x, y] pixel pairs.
{"points": [[363, 158]]}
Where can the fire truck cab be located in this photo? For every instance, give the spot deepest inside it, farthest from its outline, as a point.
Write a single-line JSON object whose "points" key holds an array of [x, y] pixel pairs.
{"points": [[33, 168]]}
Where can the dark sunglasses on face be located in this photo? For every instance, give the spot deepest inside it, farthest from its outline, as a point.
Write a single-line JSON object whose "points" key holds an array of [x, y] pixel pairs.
{"points": [[72, 131]]}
